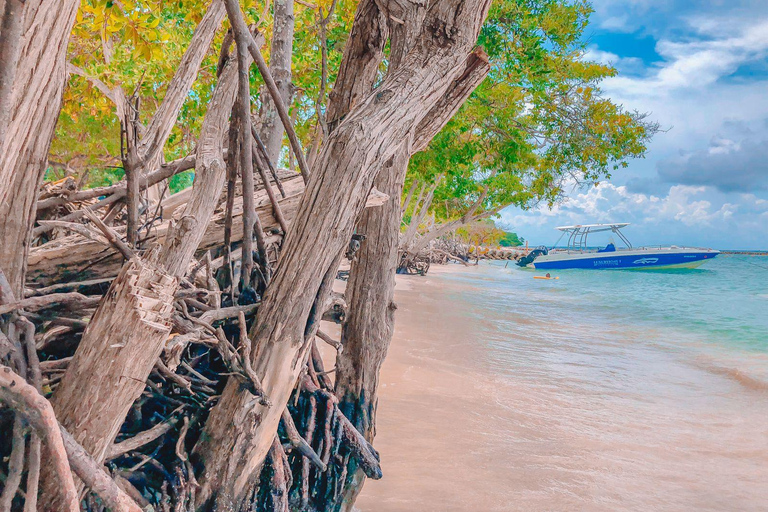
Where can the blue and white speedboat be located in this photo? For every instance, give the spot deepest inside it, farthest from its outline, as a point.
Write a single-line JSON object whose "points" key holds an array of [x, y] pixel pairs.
{"points": [[578, 255]]}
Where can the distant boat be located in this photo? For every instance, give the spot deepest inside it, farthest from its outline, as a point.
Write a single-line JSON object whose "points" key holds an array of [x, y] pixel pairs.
{"points": [[577, 255]]}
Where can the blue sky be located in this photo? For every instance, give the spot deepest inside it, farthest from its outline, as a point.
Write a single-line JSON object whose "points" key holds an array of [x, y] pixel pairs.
{"points": [[700, 68]]}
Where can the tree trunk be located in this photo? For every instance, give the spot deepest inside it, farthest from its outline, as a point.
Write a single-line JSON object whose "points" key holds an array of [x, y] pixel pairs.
{"points": [[367, 333], [11, 29], [239, 432], [127, 332], [105, 375], [370, 315], [363, 52], [280, 55], [36, 101]]}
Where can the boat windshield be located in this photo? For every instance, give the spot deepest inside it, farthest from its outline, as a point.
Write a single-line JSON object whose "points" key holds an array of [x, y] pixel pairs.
{"points": [[577, 235]]}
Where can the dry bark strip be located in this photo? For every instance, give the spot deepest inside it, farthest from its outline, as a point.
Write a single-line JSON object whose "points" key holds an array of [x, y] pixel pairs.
{"points": [[238, 434], [35, 103]]}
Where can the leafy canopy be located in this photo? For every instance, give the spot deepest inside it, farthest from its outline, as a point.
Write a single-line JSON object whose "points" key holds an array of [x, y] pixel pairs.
{"points": [[538, 122]]}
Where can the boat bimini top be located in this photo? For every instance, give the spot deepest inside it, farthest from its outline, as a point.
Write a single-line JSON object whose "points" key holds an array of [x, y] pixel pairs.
{"points": [[577, 235]]}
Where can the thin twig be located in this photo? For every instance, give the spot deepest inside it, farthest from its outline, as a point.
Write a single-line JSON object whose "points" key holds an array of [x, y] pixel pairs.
{"points": [[241, 30], [110, 235]]}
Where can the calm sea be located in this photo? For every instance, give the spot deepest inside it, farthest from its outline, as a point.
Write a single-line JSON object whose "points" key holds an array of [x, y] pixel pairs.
{"points": [[600, 391]]}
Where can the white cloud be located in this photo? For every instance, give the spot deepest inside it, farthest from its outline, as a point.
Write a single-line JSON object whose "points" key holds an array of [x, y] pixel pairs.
{"points": [[623, 64], [681, 216], [714, 112], [616, 23], [697, 62]]}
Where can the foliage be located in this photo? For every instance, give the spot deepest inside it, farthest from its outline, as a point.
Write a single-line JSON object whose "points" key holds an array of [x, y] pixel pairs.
{"points": [[537, 123], [486, 233], [137, 44], [511, 239]]}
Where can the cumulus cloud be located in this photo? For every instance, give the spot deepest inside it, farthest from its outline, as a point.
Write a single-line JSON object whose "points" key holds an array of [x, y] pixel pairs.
{"points": [[728, 165], [700, 60], [623, 64], [611, 203], [679, 216]]}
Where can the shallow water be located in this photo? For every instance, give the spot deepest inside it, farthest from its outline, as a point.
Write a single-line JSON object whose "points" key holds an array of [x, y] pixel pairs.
{"points": [[604, 390]]}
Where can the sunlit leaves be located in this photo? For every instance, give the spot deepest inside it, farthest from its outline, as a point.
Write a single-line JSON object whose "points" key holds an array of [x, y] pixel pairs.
{"points": [[539, 122]]}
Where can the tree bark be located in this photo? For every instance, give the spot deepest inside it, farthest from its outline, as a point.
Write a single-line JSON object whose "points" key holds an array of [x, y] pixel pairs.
{"points": [[35, 104], [11, 29], [363, 52], [280, 55], [126, 334], [368, 331], [238, 433]]}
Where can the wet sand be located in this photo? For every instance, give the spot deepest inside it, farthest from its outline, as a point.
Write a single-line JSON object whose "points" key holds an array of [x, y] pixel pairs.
{"points": [[459, 431]]}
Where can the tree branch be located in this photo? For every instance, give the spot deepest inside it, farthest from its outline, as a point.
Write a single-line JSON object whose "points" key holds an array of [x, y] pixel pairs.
{"points": [[241, 30], [27, 401]]}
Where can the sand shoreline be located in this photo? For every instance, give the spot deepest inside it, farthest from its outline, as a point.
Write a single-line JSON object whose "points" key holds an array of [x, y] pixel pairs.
{"points": [[429, 402], [484, 408]]}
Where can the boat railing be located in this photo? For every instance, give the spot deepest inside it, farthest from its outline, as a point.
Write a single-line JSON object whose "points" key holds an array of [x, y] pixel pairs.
{"points": [[590, 250]]}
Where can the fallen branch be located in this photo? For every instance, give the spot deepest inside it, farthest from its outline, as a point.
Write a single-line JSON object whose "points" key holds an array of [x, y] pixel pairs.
{"points": [[44, 301], [96, 478], [27, 401], [166, 171], [298, 442]]}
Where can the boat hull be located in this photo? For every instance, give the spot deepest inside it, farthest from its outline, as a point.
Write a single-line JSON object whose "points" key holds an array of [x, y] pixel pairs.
{"points": [[633, 259]]}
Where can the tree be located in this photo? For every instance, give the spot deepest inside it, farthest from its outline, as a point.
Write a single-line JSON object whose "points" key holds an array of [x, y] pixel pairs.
{"points": [[32, 88], [538, 124], [341, 180], [511, 239], [208, 360]]}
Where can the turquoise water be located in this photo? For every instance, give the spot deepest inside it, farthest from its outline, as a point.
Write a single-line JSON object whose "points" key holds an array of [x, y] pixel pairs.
{"points": [[628, 390], [719, 310], [724, 302]]}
